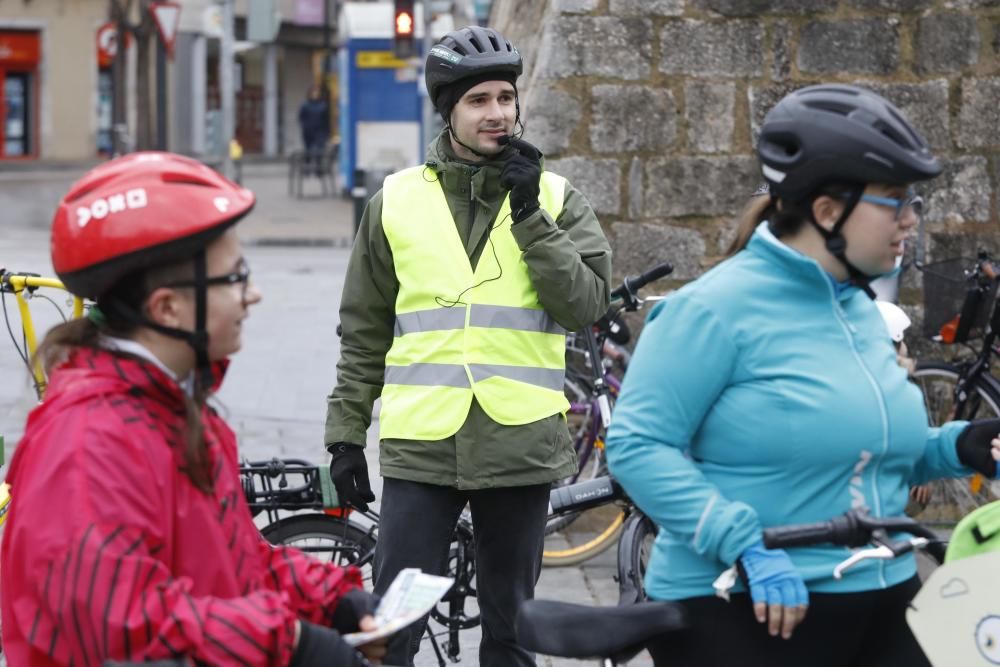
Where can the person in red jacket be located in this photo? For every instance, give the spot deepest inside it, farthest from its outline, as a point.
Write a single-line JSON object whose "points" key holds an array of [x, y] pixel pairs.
{"points": [[129, 537]]}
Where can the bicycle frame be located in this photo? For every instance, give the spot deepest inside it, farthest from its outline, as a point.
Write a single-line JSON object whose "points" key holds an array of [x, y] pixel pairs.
{"points": [[23, 286]]}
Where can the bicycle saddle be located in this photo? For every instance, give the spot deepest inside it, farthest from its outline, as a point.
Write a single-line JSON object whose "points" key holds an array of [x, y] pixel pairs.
{"points": [[576, 631]]}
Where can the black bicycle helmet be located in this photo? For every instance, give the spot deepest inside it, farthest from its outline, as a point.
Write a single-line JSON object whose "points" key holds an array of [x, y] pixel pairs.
{"points": [[836, 133], [468, 52]]}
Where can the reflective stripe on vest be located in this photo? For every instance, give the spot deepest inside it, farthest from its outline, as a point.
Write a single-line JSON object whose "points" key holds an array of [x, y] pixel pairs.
{"points": [[496, 344], [497, 317]]}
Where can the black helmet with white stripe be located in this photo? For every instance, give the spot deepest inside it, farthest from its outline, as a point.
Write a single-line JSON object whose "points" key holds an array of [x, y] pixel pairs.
{"points": [[835, 133], [470, 52]]}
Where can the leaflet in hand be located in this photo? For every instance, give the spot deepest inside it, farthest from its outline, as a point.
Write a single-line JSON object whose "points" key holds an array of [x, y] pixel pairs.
{"points": [[410, 596]]}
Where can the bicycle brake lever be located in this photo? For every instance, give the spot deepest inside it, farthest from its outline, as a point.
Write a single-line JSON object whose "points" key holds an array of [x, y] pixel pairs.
{"points": [[886, 551], [880, 553]]}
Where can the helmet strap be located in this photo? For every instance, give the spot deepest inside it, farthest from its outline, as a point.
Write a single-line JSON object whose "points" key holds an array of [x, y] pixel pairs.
{"points": [[836, 244], [203, 369], [197, 339]]}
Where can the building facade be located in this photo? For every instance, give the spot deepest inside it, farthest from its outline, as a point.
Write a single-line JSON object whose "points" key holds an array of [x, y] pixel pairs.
{"points": [[50, 78]]}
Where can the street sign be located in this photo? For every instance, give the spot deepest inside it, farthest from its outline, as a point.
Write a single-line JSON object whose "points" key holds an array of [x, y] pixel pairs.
{"points": [[167, 16], [263, 21], [107, 44], [379, 60]]}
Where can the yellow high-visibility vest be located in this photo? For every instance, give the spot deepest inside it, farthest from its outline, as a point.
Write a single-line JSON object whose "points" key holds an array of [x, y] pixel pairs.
{"points": [[462, 333]]}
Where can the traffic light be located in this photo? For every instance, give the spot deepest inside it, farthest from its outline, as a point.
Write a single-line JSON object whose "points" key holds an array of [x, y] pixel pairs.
{"points": [[403, 27]]}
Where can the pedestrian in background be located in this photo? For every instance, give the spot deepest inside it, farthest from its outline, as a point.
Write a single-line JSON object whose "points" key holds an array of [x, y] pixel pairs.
{"points": [[314, 121], [465, 276]]}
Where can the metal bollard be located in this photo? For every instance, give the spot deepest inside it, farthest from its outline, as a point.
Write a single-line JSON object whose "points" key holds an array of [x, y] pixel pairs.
{"points": [[359, 194]]}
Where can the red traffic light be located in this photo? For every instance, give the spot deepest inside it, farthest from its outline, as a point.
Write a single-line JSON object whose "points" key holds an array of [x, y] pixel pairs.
{"points": [[404, 23]]}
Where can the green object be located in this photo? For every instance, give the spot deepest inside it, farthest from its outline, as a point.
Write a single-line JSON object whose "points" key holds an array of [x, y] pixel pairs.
{"points": [[977, 533], [3, 452], [95, 315], [330, 499]]}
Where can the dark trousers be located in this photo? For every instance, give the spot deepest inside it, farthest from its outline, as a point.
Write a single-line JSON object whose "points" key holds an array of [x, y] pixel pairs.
{"points": [[415, 530], [313, 159], [866, 629]]}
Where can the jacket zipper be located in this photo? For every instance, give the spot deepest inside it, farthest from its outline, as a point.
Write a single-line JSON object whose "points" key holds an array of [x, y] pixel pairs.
{"points": [[849, 330]]}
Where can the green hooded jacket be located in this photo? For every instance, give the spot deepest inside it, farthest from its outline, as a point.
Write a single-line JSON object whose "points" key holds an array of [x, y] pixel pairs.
{"points": [[569, 261]]}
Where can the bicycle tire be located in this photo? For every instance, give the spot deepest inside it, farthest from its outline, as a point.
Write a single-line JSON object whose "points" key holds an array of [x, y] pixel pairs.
{"points": [[634, 549], [954, 498], [343, 542], [574, 555]]}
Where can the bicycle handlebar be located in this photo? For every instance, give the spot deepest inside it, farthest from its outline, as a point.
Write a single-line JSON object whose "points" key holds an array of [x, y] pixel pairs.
{"points": [[854, 529], [580, 496], [633, 284]]}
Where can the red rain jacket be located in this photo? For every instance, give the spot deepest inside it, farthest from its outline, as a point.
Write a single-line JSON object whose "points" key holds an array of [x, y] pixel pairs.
{"points": [[110, 551]]}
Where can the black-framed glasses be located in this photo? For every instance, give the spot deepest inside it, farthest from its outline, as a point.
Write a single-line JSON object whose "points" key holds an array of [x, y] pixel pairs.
{"points": [[912, 201], [241, 276]]}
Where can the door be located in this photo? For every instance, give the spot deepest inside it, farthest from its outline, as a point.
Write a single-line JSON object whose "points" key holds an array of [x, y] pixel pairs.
{"points": [[17, 114]]}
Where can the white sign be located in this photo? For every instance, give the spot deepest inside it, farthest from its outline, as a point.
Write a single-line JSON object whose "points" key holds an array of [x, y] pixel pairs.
{"points": [[211, 20], [168, 18]]}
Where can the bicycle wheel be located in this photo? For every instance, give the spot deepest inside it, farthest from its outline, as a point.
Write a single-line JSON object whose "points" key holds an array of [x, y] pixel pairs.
{"points": [[954, 498], [634, 550], [593, 536], [329, 538]]}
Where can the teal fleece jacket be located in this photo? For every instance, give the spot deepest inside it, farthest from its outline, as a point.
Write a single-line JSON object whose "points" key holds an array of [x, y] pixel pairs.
{"points": [[758, 396]]}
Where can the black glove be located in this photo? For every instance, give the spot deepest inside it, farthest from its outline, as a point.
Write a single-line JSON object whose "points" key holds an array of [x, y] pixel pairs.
{"points": [[322, 647], [349, 472], [974, 447], [520, 174], [352, 608]]}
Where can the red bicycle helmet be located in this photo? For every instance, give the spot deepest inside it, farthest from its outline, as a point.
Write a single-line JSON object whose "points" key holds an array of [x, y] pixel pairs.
{"points": [[136, 211]]}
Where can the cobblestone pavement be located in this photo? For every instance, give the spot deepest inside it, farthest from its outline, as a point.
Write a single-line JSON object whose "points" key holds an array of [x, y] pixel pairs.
{"points": [[274, 394]]}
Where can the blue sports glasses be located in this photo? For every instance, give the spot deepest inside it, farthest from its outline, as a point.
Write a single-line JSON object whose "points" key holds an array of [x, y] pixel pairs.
{"points": [[912, 201]]}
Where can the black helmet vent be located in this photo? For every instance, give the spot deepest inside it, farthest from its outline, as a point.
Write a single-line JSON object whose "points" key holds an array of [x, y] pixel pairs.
{"points": [[830, 106], [891, 133]]}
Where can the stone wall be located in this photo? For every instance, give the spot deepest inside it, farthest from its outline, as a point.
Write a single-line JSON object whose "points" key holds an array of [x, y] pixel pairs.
{"points": [[651, 106]]}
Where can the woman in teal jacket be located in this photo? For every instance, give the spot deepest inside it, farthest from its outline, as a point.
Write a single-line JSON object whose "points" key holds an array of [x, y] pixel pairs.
{"points": [[767, 393]]}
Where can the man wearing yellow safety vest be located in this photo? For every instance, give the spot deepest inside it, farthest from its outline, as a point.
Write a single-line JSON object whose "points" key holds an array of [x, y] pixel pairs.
{"points": [[466, 274]]}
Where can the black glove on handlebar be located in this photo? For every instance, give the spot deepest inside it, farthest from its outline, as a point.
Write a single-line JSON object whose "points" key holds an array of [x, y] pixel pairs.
{"points": [[352, 608], [973, 446], [349, 472], [521, 174], [322, 647]]}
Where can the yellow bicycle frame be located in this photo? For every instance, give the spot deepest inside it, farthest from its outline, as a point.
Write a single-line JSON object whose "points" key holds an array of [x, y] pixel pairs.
{"points": [[19, 284]]}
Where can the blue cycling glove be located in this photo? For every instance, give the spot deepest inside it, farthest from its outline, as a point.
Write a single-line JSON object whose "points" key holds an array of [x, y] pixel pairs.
{"points": [[772, 578]]}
